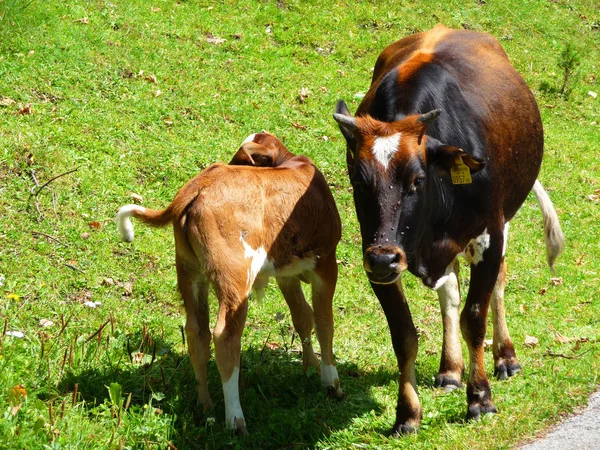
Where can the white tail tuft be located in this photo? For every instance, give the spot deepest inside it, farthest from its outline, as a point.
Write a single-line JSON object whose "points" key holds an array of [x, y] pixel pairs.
{"points": [[124, 225], [555, 239]]}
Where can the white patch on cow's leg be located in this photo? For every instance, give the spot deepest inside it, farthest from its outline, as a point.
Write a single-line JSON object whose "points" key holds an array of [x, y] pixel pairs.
{"points": [[124, 225], [504, 245], [474, 250], [249, 139], [451, 364], [234, 415], [384, 148]]}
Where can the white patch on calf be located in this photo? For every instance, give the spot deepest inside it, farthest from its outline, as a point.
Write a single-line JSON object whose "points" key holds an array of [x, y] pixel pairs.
{"points": [[384, 148], [329, 376], [231, 396], [249, 139], [474, 250], [258, 264], [124, 225]]}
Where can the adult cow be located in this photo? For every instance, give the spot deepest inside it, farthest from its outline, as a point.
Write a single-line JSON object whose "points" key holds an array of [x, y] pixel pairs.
{"points": [[428, 189]]}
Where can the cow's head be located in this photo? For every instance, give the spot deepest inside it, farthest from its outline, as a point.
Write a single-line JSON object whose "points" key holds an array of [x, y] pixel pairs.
{"points": [[261, 150], [395, 170]]}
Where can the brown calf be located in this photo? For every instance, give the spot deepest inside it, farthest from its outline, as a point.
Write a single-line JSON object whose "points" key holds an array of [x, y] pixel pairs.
{"points": [[235, 226]]}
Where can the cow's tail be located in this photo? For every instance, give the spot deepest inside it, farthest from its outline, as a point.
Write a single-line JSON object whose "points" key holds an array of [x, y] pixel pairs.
{"points": [[155, 218], [555, 239]]}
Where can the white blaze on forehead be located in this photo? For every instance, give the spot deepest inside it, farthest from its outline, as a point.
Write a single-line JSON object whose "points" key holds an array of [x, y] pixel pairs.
{"points": [[231, 395], [384, 148], [249, 139]]}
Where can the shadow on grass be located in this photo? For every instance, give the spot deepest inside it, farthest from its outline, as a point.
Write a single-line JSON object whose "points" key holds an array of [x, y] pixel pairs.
{"points": [[284, 408]]}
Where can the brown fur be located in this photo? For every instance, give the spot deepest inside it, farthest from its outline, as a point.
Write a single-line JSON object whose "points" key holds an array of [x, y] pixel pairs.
{"points": [[222, 218]]}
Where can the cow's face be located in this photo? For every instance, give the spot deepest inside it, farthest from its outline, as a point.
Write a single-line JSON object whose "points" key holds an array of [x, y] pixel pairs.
{"points": [[394, 170]]}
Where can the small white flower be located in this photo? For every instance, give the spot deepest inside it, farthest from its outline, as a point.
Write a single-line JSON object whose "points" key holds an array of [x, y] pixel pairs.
{"points": [[17, 334], [2, 279], [92, 304]]}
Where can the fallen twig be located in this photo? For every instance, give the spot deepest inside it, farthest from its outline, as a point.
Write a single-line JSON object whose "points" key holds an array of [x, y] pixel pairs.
{"points": [[563, 355], [39, 188], [37, 233], [70, 266], [36, 193]]}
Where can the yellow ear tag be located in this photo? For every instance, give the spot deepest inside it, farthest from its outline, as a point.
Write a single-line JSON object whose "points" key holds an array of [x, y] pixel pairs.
{"points": [[459, 172]]}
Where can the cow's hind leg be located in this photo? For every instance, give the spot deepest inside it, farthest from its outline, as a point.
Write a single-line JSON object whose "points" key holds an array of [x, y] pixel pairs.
{"points": [[194, 290], [227, 335], [302, 317], [405, 342], [323, 287], [473, 322], [505, 358], [451, 364]]}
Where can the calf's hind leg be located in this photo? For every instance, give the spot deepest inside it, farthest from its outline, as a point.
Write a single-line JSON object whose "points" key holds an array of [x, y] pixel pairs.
{"points": [[302, 317], [323, 287], [194, 291], [227, 335]]}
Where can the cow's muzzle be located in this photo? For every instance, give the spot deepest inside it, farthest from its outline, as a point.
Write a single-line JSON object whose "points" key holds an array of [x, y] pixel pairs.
{"points": [[384, 264]]}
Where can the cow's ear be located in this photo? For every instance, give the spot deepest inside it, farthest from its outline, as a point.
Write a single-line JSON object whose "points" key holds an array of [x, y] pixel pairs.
{"points": [[444, 157], [253, 154], [346, 122]]}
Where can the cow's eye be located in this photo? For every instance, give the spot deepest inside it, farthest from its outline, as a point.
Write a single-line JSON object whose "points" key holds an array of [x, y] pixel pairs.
{"points": [[416, 184]]}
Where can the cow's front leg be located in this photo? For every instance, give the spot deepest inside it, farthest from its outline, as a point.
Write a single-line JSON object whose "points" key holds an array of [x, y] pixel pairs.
{"points": [[404, 340], [227, 335], [473, 321], [451, 363], [505, 359]]}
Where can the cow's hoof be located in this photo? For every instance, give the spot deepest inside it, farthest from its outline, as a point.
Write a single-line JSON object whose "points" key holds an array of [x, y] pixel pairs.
{"points": [[239, 427], [447, 382], [403, 429], [476, 410], [507, 368]]}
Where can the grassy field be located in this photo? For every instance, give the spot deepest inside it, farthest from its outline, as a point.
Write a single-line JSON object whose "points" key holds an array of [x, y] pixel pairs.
{"points": [[123, 97]]}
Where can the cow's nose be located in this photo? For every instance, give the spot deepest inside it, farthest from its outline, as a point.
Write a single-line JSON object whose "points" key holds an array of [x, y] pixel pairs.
{"points": [[382, 262]]}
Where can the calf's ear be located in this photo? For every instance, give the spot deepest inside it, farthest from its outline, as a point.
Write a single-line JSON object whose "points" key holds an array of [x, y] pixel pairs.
{"points": [[444, 157], [253, 154]]}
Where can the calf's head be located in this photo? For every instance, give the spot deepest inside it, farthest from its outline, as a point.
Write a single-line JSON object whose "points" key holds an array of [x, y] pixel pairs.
{"points": [[261, 150], [396, 171]]}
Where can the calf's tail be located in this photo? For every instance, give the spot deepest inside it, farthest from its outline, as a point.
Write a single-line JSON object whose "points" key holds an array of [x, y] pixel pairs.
{"points": [[555, 239], [156, 218]]}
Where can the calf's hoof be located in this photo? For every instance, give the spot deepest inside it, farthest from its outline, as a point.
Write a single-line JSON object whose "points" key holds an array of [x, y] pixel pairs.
{"points": [[335, 392], [447, 381], [506, 368], [475, 410]]}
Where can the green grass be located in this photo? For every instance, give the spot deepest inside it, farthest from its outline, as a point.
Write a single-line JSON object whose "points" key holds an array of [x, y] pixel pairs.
{"points": [[139, 101]]}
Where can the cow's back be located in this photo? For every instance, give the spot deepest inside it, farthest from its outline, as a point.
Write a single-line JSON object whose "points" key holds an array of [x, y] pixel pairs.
{"points": [[487, 108]]}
